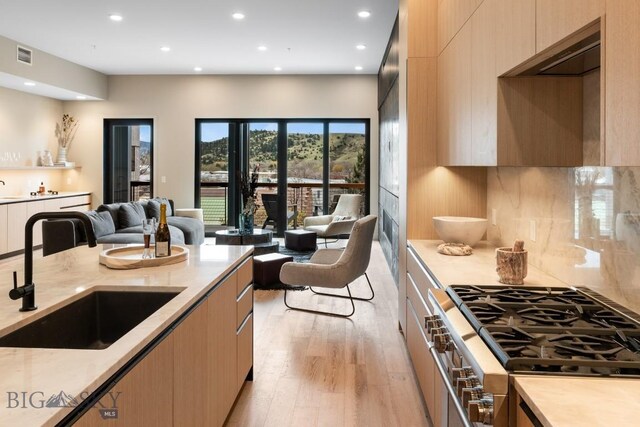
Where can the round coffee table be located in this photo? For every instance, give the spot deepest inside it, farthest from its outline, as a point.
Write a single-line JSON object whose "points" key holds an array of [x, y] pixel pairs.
{"points": [[261, 239]]}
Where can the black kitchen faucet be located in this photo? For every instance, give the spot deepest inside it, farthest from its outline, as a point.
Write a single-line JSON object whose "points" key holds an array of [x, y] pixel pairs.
{"points": [[28, 291]]}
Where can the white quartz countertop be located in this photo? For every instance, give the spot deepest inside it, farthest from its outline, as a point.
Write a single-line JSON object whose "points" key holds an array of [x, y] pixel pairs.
{"points": [[575, 401], [476, 269], [26, 198], [70, 275], [556, 401]]}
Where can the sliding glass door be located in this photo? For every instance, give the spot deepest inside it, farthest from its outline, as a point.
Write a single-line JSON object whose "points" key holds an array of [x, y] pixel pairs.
{"points": [[128, 160], [303, 166]]}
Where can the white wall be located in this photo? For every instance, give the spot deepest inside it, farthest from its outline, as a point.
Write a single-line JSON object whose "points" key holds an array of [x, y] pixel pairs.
{"points": [[52, 70], [174, 102], [27, 126]]}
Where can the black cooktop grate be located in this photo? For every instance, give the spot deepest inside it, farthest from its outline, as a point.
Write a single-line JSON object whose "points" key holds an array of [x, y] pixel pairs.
{"points": [[552, 330]]}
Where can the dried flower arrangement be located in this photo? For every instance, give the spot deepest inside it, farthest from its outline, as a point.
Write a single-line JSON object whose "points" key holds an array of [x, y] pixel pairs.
{"points": [[67, 131], [248, 190]]}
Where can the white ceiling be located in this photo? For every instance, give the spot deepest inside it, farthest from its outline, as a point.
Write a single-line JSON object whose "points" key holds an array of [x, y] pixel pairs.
{"points": [[302, 36]]}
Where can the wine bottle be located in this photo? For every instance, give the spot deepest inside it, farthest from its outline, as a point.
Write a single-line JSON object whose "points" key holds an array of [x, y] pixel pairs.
{"points": [[163, 238]]}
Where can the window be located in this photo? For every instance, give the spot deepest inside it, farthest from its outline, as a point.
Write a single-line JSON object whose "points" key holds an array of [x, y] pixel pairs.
{"points": [[320, 158], [128, 160]]}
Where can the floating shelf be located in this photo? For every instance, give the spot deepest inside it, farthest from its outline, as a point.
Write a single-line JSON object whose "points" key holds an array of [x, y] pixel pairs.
{"points": [[38, 168]]}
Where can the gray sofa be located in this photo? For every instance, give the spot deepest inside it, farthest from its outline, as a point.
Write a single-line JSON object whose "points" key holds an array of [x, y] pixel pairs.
{"points": [[121, 223]]}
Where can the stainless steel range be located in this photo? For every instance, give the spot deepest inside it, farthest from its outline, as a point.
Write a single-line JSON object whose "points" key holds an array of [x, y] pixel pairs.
{"points": [[525, 330]]}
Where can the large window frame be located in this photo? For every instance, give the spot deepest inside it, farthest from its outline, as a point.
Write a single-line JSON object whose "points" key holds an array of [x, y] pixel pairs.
{"points": [[238, 159]]}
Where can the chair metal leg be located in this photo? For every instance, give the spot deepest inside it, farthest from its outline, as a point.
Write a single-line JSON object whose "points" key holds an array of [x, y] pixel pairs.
{"points": [[326, 313], [334, 241], [344, 296]]}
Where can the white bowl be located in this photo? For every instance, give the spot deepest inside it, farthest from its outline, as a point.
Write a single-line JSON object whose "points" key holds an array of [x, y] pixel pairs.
{"points": [[460, 229]]}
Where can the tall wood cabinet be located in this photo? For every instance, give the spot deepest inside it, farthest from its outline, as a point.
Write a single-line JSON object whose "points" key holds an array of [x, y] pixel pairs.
{"points": [[622, 83], [557, 19]]}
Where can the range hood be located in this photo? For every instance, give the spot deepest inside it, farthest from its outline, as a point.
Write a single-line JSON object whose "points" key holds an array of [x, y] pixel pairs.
{"points": [[575, 60]]}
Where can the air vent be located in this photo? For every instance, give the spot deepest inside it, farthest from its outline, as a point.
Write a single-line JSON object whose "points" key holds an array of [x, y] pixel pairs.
{"points": [[25, 56]]}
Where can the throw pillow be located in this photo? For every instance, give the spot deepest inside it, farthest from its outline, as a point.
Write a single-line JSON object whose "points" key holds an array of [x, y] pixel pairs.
{"points": [[102, 223], [153, 207], [130, 215]]}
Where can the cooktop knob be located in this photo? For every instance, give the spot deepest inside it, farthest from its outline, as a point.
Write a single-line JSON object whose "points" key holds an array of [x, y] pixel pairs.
{"points": [[472, 393], [480, 411], [463, 372], [432, 324], [442, 342], [468, 382], [437, 331]]}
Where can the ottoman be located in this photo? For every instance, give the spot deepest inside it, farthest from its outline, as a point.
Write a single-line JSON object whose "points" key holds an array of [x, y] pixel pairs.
{"points": [[300, 240], [266, 268]]}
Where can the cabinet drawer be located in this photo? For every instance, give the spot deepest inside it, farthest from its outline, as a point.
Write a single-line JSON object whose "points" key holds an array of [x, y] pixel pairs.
{"points": [[421, 306], [245, 275], [245, 350], [420, 276], [421, 358], [245, 304], [75, 203]]}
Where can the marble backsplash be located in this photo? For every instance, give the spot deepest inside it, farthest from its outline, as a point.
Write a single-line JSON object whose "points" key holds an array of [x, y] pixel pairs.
{"points": [[580, 225]]}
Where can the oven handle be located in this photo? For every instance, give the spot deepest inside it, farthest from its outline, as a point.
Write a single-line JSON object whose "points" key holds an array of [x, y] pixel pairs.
{"points": [[454, 397]]}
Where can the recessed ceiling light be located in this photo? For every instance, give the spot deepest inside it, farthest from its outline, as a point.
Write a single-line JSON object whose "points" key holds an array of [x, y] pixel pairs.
{"points": [[81, 97], [197, 69], [29, 84], [115, 17], [358, 68], [165, 48], [262, 48], [361, 47], [277, 68], [364, 14], [238, 16]]}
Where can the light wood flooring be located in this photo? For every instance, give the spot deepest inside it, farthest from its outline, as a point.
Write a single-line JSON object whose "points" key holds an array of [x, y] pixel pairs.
{"points": [[312, 370]]}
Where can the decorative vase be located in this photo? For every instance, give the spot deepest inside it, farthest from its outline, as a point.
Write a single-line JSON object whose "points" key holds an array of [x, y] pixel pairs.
{"points": [[246, 223], [62, 155]]}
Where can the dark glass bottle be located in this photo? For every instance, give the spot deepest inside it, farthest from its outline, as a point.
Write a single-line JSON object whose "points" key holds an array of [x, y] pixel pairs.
{"points": [[163, 238]]}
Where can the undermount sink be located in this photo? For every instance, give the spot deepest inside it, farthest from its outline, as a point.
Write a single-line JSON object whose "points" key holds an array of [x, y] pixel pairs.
{"points": [[93, 322]]}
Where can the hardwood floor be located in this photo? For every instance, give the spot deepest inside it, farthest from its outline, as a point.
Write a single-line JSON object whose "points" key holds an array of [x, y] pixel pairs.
{"points": [[312, 370]]}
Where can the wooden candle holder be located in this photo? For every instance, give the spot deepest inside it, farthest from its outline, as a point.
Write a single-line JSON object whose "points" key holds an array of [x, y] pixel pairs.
{"points": [[511, 266]]}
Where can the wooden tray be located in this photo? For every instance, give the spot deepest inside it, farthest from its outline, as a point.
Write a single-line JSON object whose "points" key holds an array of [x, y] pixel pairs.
{"points": [[129, 257]]}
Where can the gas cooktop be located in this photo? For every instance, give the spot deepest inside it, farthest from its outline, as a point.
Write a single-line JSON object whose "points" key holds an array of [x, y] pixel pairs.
{"points": [[572, 331]]}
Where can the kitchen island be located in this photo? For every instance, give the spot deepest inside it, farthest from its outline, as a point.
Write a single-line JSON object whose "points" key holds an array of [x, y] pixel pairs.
{"points": [[559, 401], [181, 337]]}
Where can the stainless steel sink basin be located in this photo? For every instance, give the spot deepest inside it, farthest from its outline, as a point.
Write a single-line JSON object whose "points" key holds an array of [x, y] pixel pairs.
{"points": [[93, 322]]}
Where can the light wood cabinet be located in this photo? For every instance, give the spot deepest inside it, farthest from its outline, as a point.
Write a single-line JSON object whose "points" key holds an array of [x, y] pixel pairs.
{"points": [[245, 350], [4, 235], [484, 85], [191, 362], [222, 348], [452, 15], [454, 101], [515, 26], [622, 83], [557, 19], [32, 209], [17, 218], [143, 397], [16, 215]]}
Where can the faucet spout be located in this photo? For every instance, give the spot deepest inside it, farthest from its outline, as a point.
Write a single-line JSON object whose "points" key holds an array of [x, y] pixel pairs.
{"points": [[27, 292], [2, 182]]}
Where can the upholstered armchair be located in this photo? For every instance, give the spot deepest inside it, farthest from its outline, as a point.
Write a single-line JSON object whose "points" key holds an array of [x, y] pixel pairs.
{"points": [[335, 268], [340, 222]]}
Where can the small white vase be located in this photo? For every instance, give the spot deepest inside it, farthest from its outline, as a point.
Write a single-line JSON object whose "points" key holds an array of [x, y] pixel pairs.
{"points": [[62, 154]]}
